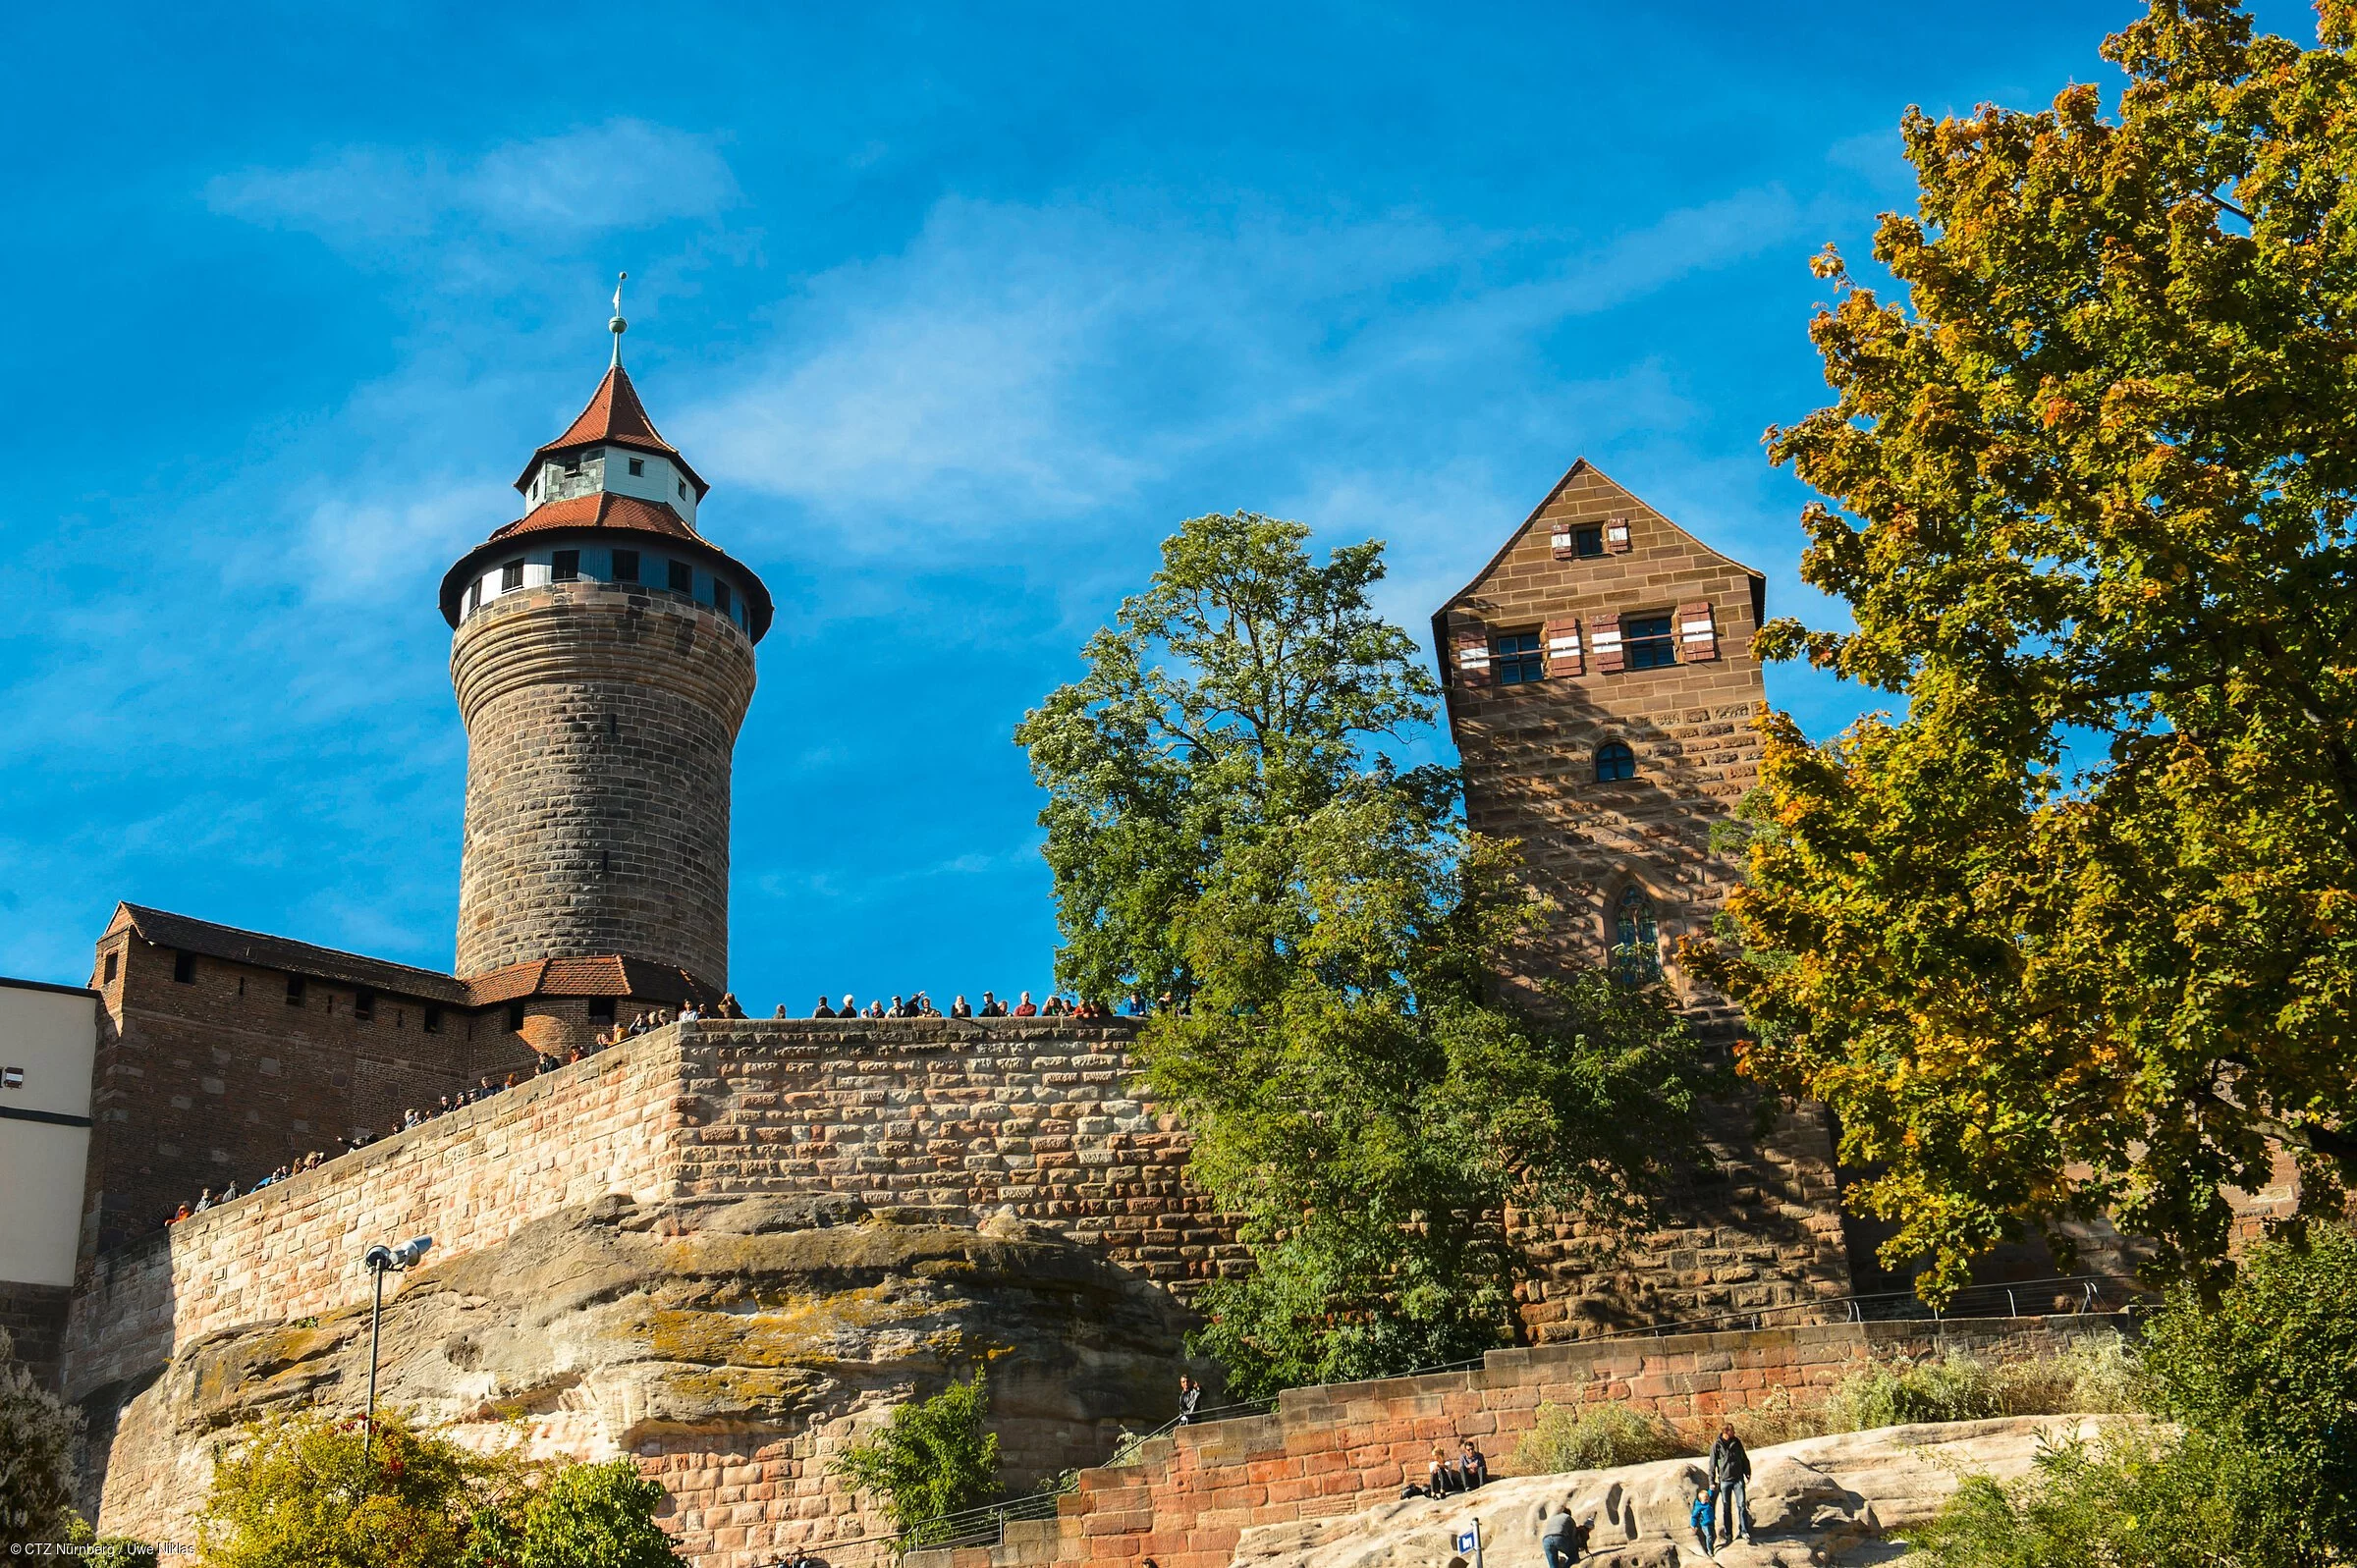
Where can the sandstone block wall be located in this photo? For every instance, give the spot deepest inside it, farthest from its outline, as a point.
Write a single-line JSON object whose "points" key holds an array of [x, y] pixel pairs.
{"points": [[1337, 1449], [224, 1077], [1529, 750], [601, 721], [294, 1249]]}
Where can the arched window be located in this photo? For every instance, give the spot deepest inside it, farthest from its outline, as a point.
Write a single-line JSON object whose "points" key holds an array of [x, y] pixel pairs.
{"points": [[1636, 940], [1615, 762]]}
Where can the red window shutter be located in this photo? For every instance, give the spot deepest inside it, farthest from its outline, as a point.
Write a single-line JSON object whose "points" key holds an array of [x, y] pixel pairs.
{"points": [[1562, 640], [1566, 547], [1604, 640], [1615, 535], [1472, 658], [1697, 634]]}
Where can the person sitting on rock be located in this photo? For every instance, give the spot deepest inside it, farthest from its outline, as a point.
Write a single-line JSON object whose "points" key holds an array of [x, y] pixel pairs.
{"points": [[1440, 1477], [1731, 1476], [1473, 1468]]}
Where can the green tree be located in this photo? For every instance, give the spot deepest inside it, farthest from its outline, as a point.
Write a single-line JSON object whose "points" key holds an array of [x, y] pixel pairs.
{"points": [[579, 1516], [2263, 1386], [40, 1437], [296, 1492], [2076, 935], [934, 1457], [1362, 1091]]}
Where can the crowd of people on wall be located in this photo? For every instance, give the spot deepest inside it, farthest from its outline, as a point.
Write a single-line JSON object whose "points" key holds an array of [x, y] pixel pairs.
{"points": [[918, 1006]]}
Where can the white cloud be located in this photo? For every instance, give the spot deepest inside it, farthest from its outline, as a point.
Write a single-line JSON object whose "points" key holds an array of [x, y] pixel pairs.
{"points": [[1017, 366], [620, 175]]}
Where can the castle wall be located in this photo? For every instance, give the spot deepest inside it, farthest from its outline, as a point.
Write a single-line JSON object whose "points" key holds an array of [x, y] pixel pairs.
{"points": [[223, 1078], [1342, 1447], [959, 1118], [601, 720], [294, 1249]]}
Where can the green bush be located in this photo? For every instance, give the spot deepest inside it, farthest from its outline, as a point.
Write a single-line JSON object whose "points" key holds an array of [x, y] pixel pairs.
{"points": [[2265, 1387], [934, 1457], [296, 1492], [1596, 1437], [1897, 1393]]}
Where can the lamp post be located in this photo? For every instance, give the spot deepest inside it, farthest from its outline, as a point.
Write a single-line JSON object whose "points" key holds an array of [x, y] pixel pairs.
{"points": [[379, 1260]]}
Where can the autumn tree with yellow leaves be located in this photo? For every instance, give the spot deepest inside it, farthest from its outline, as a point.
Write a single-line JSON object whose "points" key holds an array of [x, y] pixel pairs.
{"points": [[2075, 935]]}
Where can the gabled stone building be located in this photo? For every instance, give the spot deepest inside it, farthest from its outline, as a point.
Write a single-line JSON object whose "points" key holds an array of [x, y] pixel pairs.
{"points": [[1600, 686]]}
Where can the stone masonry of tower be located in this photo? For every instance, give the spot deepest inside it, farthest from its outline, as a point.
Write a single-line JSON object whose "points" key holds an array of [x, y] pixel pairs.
{"points": [[603, 661], [1601, 688]]}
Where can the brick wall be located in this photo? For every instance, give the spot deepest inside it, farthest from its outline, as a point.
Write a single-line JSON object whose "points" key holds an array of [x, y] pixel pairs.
{"points": [[1339, 1448], [223, 1078], [600, 723]]}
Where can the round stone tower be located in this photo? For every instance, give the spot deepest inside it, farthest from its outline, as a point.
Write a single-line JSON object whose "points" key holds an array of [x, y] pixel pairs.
{"points": [[603, 661]]}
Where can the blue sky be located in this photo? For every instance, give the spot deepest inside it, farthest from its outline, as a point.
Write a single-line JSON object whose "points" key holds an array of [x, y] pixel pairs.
{"points": [[959, 312]]}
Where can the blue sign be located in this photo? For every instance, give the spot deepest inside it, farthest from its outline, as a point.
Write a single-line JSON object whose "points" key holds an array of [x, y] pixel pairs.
{"points": [[1468, 1539]]}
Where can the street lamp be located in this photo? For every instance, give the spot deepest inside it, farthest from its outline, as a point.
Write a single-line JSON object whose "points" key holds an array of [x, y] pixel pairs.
{"points": [[379, 1259]]}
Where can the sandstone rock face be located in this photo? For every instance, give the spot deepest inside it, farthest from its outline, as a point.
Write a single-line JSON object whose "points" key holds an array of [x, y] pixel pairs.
{"points": [[1838, 1499], [728, 1348]]}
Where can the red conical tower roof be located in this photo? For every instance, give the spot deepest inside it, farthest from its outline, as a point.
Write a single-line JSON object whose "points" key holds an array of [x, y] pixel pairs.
{"points": [[615, 417]]}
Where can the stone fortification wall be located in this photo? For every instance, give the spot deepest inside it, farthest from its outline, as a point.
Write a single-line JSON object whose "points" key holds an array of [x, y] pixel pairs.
{"points": [[959, 1120], [1337, 1449], [294, 1249], [601, 720]]}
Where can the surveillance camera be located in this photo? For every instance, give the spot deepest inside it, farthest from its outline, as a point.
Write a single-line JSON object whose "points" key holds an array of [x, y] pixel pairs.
{"points": [[411, 1253], [378, 1258]]}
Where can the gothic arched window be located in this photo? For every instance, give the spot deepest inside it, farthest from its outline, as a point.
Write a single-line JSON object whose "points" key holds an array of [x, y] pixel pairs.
{"points": [[1636, 939], [1615, 762]]}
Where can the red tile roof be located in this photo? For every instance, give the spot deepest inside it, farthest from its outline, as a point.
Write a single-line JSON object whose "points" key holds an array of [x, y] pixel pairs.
{"points": [[588, 977], [604, 509], [615, 416]]}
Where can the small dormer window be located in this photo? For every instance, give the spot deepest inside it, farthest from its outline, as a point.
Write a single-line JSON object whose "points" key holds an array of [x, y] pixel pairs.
{"points": [[682, 484], [572, 464], [511, 576], [720, 596], [683, 579], [637, 466]]}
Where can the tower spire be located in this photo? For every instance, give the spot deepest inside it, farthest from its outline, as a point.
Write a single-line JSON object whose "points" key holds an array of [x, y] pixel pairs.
{"points": [[618, 326]]}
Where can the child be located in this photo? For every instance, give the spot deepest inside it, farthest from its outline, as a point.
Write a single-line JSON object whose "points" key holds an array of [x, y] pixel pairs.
{"points": [[1704, 1516]]}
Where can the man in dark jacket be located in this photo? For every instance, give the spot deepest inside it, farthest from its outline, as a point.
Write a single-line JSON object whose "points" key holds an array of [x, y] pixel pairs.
{"points": [[1730, 1472]]}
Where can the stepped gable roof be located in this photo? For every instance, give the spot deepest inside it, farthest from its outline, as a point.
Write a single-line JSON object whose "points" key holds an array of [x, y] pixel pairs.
{"points": [[615, 417], [607, 976], [604, 509], [187, 934]]}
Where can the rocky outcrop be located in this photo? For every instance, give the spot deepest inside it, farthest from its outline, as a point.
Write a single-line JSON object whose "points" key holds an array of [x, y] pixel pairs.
{"points": [[1848, 1499], [755, 1335]]}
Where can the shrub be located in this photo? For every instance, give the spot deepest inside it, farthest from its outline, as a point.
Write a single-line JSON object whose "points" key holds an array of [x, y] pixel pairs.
{"points": [[296, 1491], [38, 1439], [2263, 1386], [1596, 1437], [934, 1457]]}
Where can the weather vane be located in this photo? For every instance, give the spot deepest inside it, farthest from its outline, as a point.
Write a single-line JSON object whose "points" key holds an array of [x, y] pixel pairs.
{"points": [[618, 326]]}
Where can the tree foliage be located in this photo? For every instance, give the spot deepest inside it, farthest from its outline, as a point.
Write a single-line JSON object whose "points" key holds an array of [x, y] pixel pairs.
{"points": [[2078, 934], [298, 1492], [39, 1439], [1363, 1092], [934, 1457], [2263, 1386]]}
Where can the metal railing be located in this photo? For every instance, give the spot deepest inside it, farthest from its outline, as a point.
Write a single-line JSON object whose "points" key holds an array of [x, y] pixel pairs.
{"points": [[2063, 1295]]}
